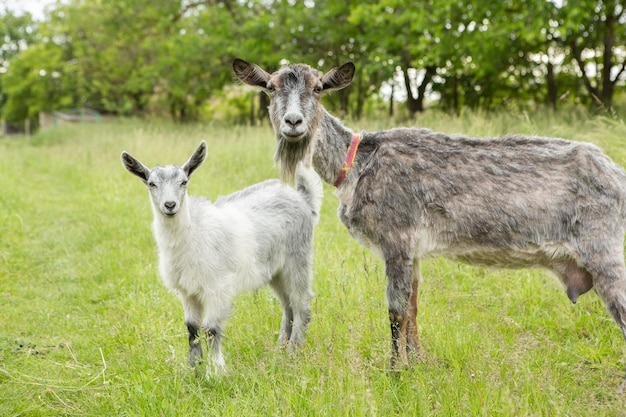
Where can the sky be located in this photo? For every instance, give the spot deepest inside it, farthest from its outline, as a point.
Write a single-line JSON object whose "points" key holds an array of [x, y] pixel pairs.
{"points": [[35, 7]]}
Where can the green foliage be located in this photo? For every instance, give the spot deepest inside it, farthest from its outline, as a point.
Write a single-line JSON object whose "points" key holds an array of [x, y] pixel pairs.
{"points": [[17, 32], [595, 41], [87, 328], [140, 57], [32, 87]]}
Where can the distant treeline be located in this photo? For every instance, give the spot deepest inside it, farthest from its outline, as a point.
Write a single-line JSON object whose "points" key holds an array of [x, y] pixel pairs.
{"points": [[139, 57]]}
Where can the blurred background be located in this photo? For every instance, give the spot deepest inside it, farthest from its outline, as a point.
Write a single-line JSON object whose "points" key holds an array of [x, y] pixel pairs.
{"points": [[172, 59]]}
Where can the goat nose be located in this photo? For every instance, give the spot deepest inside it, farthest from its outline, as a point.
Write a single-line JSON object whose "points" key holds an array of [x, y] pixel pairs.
{"points": [[293, 119], [170, 205]]}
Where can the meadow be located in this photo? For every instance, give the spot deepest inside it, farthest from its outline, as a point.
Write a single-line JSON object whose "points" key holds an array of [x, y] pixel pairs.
{"points": [[88, 329]]}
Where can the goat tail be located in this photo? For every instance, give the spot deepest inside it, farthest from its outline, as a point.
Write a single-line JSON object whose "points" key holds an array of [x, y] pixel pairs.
{"points": [[309, 185]]}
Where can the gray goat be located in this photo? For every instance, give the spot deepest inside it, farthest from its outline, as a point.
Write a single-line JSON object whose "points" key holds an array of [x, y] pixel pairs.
{"points": [[516, 201], [209, 253]]}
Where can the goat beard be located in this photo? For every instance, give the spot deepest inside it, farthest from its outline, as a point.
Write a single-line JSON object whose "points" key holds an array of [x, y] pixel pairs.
{"points": [[289, 154]]}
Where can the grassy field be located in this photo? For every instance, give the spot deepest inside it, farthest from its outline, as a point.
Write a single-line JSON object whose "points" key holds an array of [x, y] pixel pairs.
{"points": [[87, 328]]}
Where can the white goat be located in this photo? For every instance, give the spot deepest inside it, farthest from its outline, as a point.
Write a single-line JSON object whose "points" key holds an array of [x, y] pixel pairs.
{"points": [[209, 253]]}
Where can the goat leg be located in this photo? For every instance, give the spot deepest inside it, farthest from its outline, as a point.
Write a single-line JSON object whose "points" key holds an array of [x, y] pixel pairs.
{"points": [[195, 347], [217, 364], [398, 323], [399, 271], [413, 347], [413, 344], [609, 278]]}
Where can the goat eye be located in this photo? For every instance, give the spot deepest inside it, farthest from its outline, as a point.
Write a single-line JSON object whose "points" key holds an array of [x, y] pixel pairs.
{"points": [[317, 90], [183, 184], [151, 184]]}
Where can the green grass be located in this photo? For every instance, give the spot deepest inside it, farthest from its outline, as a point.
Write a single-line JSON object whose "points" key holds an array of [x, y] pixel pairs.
{"points": [[87, 328]]}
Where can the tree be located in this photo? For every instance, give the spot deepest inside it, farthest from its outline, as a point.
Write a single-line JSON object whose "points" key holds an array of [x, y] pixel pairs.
{"points": [[593, 29], [38, 80], [115, 45], [134, 57], [403, 47], [17, 33]]}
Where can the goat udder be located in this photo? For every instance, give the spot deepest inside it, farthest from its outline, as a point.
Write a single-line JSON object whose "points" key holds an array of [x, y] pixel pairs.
{"points": [[577, 281]]}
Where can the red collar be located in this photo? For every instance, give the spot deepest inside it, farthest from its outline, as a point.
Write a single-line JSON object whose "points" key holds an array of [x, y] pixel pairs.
{"points": [[347, 162]]}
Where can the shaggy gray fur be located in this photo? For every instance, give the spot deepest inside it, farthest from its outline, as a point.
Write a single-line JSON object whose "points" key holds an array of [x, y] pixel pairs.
{"points": [[516, 201], [209, 253]]}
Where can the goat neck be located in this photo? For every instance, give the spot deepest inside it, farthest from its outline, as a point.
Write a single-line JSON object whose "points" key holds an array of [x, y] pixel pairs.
{"points": [[330, 147], [168, 227]]}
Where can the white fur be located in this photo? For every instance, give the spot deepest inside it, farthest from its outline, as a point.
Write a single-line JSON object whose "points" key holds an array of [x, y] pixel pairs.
{"points": [[209, 253]]}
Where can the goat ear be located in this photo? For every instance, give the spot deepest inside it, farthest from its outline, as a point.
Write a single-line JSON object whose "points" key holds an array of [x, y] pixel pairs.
{"points": [[135, 167], [196, 159], [339, 77], [250, 74]]}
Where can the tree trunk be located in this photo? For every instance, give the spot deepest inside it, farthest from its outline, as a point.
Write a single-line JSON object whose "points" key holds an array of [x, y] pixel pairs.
{"points": [[552, 89], [416, 103], [602, 93], [360, 99], [252, 115], [454, 101], [264, 102], [393, 86], [607, 60], [344, 96], [593, 91]]}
